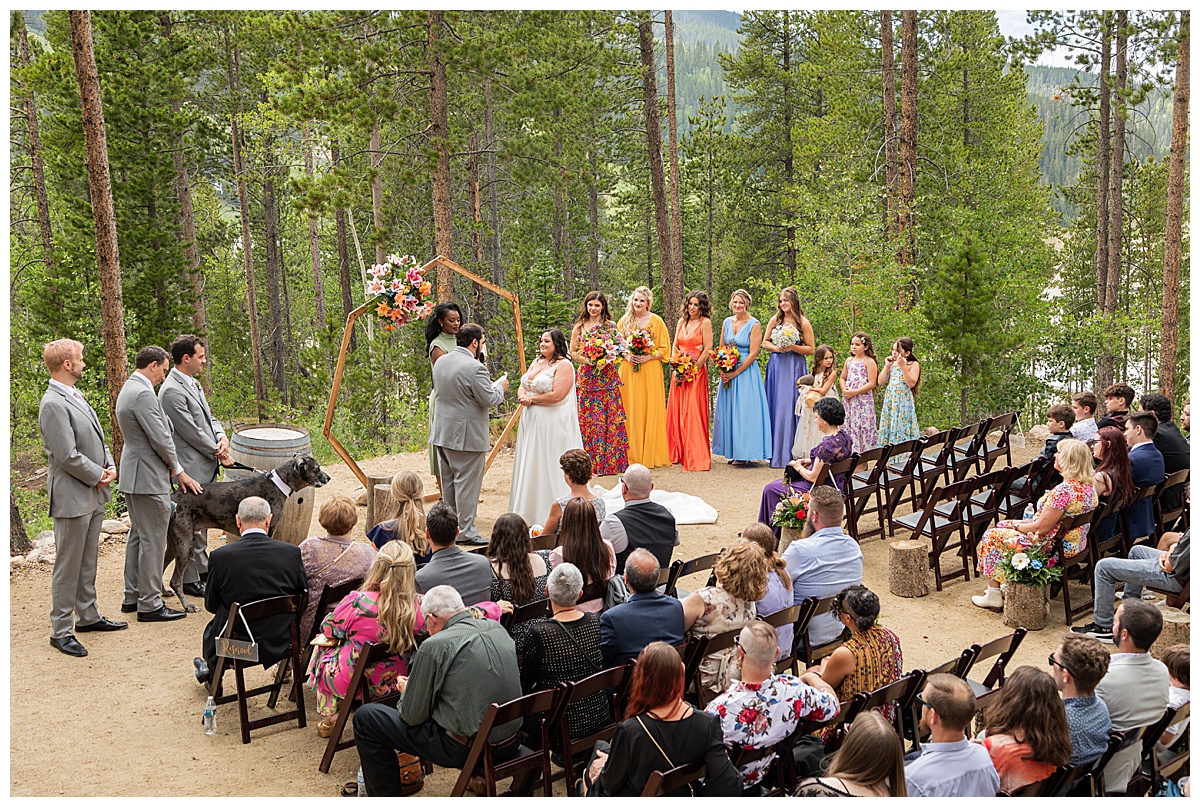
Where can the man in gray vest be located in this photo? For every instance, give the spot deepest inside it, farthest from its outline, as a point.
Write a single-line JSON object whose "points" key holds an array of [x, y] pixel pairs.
{"points": [[641, 523], [80, 470], [200, 441], [147, 464]]}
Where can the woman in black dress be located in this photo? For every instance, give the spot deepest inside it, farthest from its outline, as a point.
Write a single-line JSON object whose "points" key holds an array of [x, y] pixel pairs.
{"points": [[518, 574]]}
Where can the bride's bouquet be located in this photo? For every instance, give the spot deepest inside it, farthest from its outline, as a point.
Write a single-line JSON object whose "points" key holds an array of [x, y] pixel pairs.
{"points": [[400, 290], [785, 335], [603, 347], [640, 344], [728, 359], [686, 366]]}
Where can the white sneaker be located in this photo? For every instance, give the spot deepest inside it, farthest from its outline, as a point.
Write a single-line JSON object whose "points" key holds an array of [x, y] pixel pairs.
{"points": [[1149, 595], [992, 598]]}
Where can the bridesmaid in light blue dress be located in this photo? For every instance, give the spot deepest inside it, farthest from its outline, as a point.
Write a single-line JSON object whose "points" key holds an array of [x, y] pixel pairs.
{"points": [[742, 425]]}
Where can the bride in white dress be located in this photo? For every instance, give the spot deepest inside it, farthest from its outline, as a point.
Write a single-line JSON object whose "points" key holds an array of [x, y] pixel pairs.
{"points": [[549, 426]]}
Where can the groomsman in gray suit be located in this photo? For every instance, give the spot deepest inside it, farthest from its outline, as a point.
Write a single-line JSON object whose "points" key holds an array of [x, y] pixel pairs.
{"points": [[200, 442], [147, 464], [464, 394], [78, 478]]}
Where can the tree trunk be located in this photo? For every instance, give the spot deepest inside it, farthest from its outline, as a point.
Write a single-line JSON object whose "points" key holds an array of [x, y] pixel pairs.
{"points": [[274, 303], [477, 226], [1116, 217], [789, 160], [239, 167], [108, 259], [493, 187], [439, 137], [1173, 236], [890, 169], [658, 189], [35, 151], [593, 223], [343, 251], [314, 243], [673, 296], [18, 537], [1103, 151], [907, 166], [191, 253]]}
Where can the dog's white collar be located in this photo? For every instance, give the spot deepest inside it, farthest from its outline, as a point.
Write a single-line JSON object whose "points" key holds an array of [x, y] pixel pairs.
{"points": [[279, 483]]}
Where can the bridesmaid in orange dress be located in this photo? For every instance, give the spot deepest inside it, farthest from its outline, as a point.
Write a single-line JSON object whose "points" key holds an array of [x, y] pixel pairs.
{"points": [[687, 404]]}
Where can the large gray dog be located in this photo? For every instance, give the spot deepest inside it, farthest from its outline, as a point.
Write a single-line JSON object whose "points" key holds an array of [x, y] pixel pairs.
{"points": [[217, 506]]}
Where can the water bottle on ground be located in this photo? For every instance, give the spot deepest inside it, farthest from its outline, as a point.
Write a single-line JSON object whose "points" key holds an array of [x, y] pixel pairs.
{"points": [[362, 783], [210, 716]]}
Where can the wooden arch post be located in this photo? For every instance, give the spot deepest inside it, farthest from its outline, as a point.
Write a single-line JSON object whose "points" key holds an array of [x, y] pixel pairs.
{"points": [[327, 428]]}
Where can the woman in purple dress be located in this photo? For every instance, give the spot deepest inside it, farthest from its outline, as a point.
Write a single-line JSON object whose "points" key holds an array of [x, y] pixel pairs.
{"points": [[835, 447], [788, 338]]}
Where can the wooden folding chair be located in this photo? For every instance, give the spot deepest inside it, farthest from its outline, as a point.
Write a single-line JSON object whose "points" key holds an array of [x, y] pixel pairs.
{"points": [[966, 452], [694, 566], [1044, 787], [1164, 514], [862, 486], [836, 729], [665, 783], [1002, 649], [252, 612], [357, 693], [805, 651], [483, 750], [899, 475], [934, 462], [995, 498], [783, 769], [1124, 740], [1018, 497], [547, 540], [691, 652], [718, 643], [956, 666], [668, 575], [1088, 780], [481, 549], [939, 528], [1003, 446], [1066, 525], [329, 599], [613, 682], [830, 471], [1128, 538], [793, 616], [1159, 770], [1144, 779], [524, 613], [1112, 545], [902, 692]]}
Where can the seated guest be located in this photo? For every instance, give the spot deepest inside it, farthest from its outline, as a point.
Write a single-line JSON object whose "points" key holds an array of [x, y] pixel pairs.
{"points": [[825, 562], [779, 583], [641, 523], [405, 520], [647, 616], [1177, 659], [869, 763], [660, 732], [576, 466], [333, 558], [1185, 420], [580, 543], [870, 658], [468, 573], [1117, 400], [800, 474], [1084, 406], [950, 764], [384, 609], [1026, 729], [1169, 571], [1137, 687], [565, 647], [1146, 467], [741, 573], [253, 568], [464, 666], [1176, 452], [1114, 480], [518, 575], [762, 708], [1078, 664], [1059, 420], [1072, 496]]}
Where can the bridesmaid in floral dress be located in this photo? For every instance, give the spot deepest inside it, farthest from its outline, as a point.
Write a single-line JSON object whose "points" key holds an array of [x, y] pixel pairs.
{"points": [[859, 379], [598, 390], [901, 377], [687, 403]]}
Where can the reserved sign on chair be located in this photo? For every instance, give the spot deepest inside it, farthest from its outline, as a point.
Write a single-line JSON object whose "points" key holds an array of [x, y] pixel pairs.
{"points": [[237, 649]]}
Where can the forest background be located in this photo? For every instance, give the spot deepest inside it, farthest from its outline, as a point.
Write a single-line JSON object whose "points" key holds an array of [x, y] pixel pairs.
{"points": [[911, 173]]}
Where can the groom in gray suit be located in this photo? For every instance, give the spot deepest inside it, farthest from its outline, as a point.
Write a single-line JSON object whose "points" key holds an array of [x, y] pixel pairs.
{"points": [[200, 441], [78, 478], [464, 394], [147, 464]]}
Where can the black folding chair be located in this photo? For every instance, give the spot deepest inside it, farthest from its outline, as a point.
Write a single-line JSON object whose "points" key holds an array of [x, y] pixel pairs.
{"points": [[862, 486], [1001, 649], [940, 528], [899, 475]]}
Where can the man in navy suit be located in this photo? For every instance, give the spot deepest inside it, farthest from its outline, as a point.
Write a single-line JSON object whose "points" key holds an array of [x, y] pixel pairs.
{"points": [[1145, 466], [648, 616]]}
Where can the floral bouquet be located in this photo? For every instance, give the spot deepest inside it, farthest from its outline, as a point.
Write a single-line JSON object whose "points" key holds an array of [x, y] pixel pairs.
{"points": [[603, 347], [728, 359], [785, 335], [640, 344], [1028, 566], [400, 290], [686, 366], [792, 510]]}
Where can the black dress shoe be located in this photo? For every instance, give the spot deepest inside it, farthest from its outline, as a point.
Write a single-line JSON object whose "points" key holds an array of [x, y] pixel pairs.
{"points": [[202, 673], [193, 589], [102, 625], [163, 614], [129, 608], [69, 645]]}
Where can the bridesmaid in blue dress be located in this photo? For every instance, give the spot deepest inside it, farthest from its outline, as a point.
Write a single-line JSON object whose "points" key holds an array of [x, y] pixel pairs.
{"points": [[741, 426], [786, 363]]}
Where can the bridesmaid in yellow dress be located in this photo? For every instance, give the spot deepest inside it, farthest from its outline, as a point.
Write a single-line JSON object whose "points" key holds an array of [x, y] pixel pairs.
{"points": [[642, 391]]}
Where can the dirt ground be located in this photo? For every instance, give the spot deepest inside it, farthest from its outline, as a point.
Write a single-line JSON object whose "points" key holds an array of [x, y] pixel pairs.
{"points": [[134, 697]]}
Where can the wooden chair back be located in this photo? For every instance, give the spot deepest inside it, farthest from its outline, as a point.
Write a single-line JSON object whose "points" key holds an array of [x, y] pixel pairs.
{"points": [[1128, 538], [667, 575], [1065, 526], [985, 503], [1117, 741], [526, 612], [717, 643], [830, 471], [694, 566], [805, 650], [1003, 445], [545, 704], [1043, 787], [902, 692], [966, 455], [788, 616], [664, 783], [1001, 649], [900, 475], [357, 693], [1098, 547], [862, 486], [1164, 515], [547, 540], [613, 682], [935, 461], [691, 653]]}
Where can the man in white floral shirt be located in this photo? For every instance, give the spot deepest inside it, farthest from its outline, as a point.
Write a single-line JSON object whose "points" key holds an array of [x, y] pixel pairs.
{"points": [[764, 708]]}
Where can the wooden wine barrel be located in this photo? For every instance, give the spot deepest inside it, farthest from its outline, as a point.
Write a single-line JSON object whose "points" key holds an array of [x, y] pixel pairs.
{"points": [[264, 446]]}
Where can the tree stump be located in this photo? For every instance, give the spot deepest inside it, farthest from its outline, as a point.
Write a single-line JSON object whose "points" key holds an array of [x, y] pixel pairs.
{"points": [[908, 568], [374, 482], [18, 537], [1177, 629], [1026, 606], [380, 504], [786, 536]]}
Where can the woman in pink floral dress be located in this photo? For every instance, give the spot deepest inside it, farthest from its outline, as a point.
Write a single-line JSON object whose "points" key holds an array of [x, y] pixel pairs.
{"points": [[859, 379], [598, 394]]}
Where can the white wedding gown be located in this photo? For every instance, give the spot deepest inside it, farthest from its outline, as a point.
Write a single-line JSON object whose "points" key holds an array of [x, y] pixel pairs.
{"points": [[686, 508], [544, 433]]}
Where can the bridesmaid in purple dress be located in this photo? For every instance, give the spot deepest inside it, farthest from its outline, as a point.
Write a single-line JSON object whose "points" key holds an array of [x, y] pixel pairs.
{"points": [[860, 376], [785, 364]]}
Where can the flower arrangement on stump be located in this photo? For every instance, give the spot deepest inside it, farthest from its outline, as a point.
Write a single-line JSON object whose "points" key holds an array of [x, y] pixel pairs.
{"points": [[400, 291], [790, 516], [1028, 573]]}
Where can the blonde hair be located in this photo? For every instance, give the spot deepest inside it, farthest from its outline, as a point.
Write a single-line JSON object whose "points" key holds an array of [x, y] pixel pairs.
{"points": [[759, 533], [628, 317], [393, 574], [744, 294], [58, 351], [742, 570], [338, 515], [870, 755], [1076, 461], [408, 510]]}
